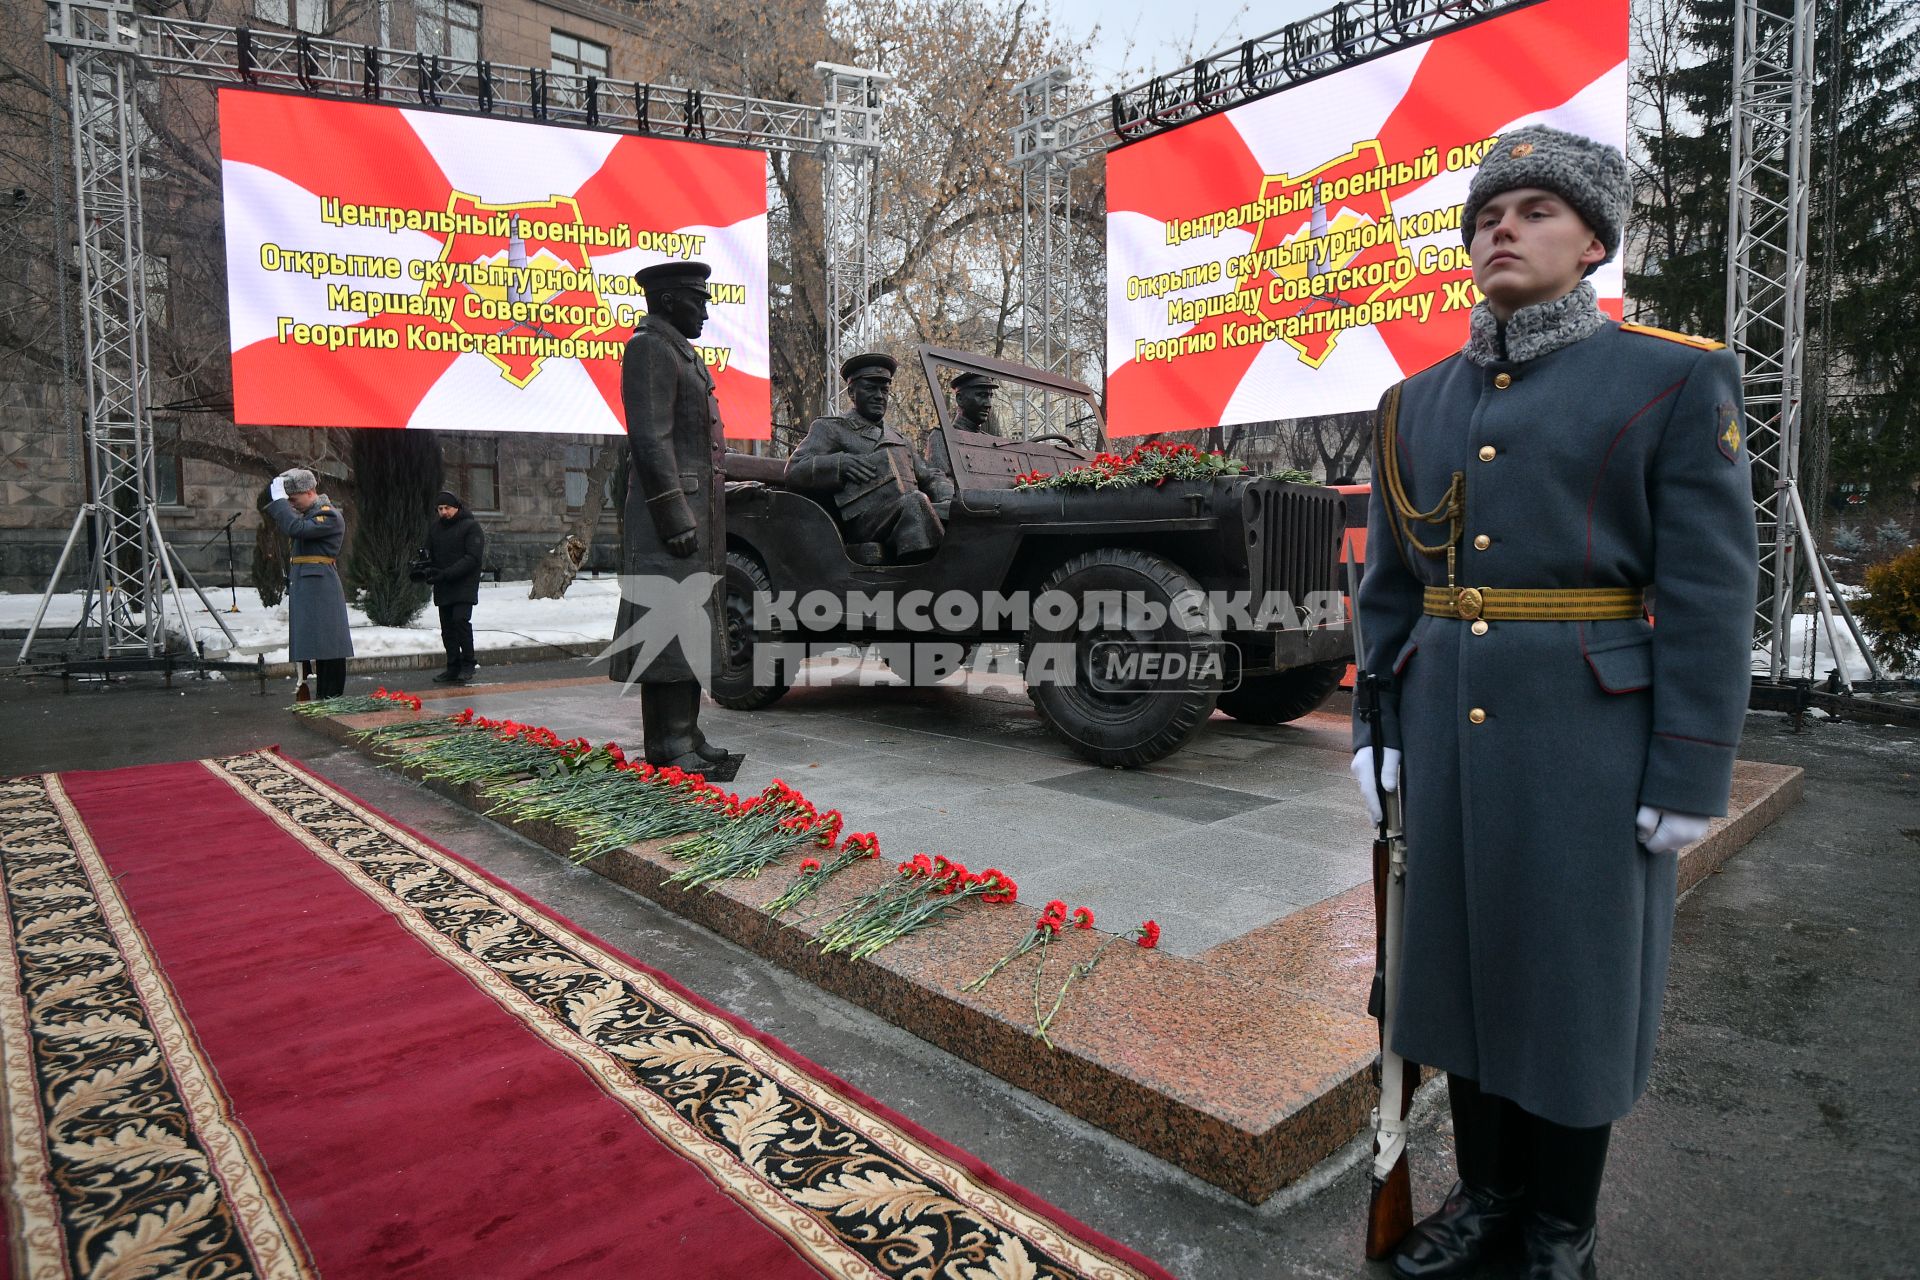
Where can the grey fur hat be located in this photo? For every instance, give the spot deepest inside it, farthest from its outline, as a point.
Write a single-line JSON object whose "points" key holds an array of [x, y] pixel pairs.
{"points": [[1591, 176], [300, 480]]}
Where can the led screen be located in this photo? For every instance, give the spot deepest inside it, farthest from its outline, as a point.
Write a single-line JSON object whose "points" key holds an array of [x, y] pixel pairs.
{"points": [[397, 268], [1300, 253]]}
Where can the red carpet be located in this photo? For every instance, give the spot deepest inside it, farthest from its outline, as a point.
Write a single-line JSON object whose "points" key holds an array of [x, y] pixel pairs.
{"points": [[251, 1027]]}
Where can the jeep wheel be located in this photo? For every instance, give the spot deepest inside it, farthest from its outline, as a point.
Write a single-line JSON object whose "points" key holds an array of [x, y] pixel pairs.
{"points": [[1122, 723], [1284, 696], [733, 685]]}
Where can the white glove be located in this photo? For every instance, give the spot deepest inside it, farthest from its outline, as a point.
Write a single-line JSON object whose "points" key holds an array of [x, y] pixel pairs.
{"points": [[1363, 774], [1664, 831], [278, 489]]}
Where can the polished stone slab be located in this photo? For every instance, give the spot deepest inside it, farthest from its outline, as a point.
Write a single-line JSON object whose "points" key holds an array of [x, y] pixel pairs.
{"points": [[1244, 1061]]}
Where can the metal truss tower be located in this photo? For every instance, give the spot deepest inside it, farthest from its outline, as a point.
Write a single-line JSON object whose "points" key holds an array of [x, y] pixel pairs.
{"points": [[107, 44], [849, 139], [131, 581], [1770, 194], [1047, 311]]}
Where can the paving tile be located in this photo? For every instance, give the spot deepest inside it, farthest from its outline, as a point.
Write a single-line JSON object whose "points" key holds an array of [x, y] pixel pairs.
{"points": [[1157, 793]]}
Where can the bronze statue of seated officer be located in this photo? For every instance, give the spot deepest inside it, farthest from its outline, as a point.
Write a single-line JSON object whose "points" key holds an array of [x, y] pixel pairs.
{"points": [[973, 400], [883, 494]]}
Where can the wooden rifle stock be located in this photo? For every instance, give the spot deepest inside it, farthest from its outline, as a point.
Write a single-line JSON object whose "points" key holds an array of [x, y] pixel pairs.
{"points": [[1390, 1204]]}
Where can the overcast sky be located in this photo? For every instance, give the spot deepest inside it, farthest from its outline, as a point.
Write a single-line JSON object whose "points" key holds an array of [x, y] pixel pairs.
{"points": [[1135, 41]]}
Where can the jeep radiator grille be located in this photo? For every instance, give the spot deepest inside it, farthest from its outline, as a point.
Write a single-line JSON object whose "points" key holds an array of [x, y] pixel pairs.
{"points": [[1293, 539]]}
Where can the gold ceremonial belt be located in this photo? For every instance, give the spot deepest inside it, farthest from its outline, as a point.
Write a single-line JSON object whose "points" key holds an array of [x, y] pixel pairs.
{"points": [[1521, 604], [311, 560]]}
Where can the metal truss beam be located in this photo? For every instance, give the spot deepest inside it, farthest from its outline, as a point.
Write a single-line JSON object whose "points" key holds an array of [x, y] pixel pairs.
{"points": [[403, 77], [1769, 198], [1299, 51]]}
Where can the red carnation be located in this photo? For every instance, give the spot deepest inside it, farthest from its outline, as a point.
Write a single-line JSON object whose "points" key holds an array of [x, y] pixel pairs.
{"points": [[1147, 935], [809, 864], [1083, 917]]}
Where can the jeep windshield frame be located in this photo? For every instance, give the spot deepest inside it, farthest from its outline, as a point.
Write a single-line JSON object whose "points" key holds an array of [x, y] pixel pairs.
{"points": [[932, 359]]}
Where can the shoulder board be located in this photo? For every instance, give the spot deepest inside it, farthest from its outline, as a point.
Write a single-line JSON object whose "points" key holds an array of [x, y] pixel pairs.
{"points": [[1684, 339]]}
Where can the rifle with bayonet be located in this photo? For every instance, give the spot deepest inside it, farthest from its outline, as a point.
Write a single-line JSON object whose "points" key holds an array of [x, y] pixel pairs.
{"points": [[1390, 1206]]}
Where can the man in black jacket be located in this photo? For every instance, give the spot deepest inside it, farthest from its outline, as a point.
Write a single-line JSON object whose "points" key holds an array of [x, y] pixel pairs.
{"points": [[456, 548]]}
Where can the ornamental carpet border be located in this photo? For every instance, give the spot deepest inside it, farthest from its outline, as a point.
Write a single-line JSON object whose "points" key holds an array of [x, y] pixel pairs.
{"points": [[125, 1154]]}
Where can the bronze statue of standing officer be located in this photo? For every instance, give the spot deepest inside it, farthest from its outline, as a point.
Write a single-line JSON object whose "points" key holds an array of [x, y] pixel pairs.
{"points": [[674, 555]]}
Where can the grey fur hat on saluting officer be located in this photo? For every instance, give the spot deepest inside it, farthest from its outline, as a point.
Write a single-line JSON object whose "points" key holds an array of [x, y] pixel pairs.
{"points": [[1590, 176]]}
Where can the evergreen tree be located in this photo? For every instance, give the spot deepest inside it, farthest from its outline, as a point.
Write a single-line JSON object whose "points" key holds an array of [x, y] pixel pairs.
{"points": [[1863, 296], [397, 476]]}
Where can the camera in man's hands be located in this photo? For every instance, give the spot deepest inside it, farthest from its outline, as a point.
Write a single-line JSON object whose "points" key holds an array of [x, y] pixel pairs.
{"points": [[420, 568]]}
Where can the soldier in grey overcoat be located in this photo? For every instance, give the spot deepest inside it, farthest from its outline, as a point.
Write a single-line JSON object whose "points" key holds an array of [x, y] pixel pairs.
{"points": [[675, 520], [1534, 496], [883, 492], [317, 625]]}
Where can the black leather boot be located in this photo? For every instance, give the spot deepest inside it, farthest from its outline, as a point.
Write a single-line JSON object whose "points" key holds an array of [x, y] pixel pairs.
{"points": [[666, 729], [1564, 1169], [1481, 1217], [1558, 1250]]}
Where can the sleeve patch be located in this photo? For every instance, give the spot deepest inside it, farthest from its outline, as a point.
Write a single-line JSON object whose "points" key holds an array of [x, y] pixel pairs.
{"points": [[1727, 430]]}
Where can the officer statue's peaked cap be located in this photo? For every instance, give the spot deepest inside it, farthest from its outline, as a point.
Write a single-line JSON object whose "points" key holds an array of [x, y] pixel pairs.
{"points": [[673, 275], [874, 364], [972, 379]]}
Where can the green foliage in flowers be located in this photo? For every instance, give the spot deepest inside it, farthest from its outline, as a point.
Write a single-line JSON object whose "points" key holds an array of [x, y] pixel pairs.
{"points": [[1053, 919], [1151, 463], [858, 847], [610, 802], [1890, 609], [754, 835], [923, 892], [355, 704]]}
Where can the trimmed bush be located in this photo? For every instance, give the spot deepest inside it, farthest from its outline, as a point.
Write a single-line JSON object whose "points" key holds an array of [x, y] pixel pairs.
{"points": [[1890, 609]]}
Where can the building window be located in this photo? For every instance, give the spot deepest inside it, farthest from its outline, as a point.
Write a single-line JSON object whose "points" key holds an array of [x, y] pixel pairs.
{"points": [[472, 465], [577, 57], [448, 27], [580, 460], [167, 488], [572, 56], [306, 15]]}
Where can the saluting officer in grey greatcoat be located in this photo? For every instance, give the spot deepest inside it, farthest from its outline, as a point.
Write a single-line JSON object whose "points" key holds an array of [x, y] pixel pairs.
{"points": [[973, 398], [882, 491], [316, 605], [675, 519], [1534, 495]]}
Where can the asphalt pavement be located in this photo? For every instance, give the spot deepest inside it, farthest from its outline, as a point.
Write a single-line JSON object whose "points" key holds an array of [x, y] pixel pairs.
{"points": [[1773, 1142]]}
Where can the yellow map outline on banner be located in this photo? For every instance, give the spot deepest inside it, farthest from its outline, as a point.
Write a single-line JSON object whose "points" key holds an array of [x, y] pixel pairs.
{"points": [[554, 203], [1399, 247]]}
